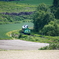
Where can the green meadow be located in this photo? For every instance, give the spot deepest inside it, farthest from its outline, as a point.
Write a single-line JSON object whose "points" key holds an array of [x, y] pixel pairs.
{"points": [[10, 27], [16, 7], [36, 1], [22, 6]]}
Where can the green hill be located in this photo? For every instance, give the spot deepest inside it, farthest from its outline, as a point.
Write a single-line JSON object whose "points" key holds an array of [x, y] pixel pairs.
{"points": [[36, 1], [32, 1], [17, 7]]}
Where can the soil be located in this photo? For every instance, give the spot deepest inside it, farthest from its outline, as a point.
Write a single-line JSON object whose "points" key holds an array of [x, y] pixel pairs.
{"points": [[30, 54], [20, 45]]}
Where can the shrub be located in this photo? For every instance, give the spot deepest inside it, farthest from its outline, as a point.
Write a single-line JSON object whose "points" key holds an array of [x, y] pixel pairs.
{"points": [[16, 34], [51, 47], [51, 29], [42, 16]]}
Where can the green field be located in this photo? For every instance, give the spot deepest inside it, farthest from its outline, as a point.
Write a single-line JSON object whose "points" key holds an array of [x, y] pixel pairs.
{"points": [[22, 6], [36, 1], [9, 27], [17, 6]]}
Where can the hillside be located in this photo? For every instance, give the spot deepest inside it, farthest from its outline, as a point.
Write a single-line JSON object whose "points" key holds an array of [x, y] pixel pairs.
{"points": [[32, 1], [13, 11], [15, 7], [7, 8]]}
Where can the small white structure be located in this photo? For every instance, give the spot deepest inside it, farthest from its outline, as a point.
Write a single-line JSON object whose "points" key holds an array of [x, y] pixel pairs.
{"points": [[24, 26]]}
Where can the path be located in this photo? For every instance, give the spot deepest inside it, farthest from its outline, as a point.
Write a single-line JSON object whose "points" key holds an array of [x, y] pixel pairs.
{"points": [[30, 54], [20, 45]]}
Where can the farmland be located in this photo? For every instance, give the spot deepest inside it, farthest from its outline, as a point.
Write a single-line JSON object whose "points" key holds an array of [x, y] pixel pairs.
{"points": [[22, 6], [16, 7], [9, 27]]}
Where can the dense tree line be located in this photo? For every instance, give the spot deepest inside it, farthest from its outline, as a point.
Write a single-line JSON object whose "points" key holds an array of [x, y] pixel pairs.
{"points": [[55, 8], [45, 19]]}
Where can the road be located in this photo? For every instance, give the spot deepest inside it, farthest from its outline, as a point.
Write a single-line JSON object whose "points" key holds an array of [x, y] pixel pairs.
{"points": [[20, 45]]}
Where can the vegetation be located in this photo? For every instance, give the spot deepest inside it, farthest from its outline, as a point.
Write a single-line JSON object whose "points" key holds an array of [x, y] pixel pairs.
{"points": [[55, 8], [9, 7], [45, 19], [49, 2], [50, 47], [13, 12], [10, 27], [34, 37], [45, 22], [42, 16], [8, 19], [15, 7]]}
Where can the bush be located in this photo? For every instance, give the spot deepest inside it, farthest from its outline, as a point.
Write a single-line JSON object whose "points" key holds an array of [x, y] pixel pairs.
{"points": [[51, 29], [16, 34], [42, 16], [51, 47]]}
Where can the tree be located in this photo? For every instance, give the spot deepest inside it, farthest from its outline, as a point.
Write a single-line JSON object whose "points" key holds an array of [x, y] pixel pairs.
{"points": [[56, 3], [55, 8], [51, 29], [42, 16], [57, 14]]}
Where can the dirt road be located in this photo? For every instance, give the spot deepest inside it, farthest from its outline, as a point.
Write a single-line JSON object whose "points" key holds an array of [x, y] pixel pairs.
{"points": [[20, 44], [34, 54]]}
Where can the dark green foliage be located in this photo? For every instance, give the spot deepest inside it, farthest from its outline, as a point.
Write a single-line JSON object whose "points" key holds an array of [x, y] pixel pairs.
{"points": [[16, 34], [42, 16], [55, 8], [42, 7], [51, 47], [56, 3], [57, 14], [4, 19], [51, 29]]}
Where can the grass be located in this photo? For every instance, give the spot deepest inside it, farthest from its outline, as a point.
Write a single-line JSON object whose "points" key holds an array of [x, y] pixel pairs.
{"points": [[16, 7], [5, 19], [9, 27], [52, 40], [22, 6], [39, 38], [36, 1]]}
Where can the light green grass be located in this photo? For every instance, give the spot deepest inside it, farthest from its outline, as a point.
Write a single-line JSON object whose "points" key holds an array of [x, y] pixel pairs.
{"points": [[16, 7], [22, 6], [36, 1], [9, 27]]}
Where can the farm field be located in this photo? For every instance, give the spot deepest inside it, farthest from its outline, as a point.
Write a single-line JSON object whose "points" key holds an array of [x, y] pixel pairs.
{"points": [[16, 7], [9, 27], [22, 6], [36, 1]]}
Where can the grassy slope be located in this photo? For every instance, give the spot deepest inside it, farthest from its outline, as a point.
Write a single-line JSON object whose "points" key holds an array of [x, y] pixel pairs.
{"points": [[6, 28], [37, 1], [20, 6], [15, 7]]}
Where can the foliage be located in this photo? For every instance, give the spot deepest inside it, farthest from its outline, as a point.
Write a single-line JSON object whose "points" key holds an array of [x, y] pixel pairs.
{"points": [[42, 16], [10, 27], [57, 14], [51, 47], [14, 7], [56, 3], [52, 40], [55, 8], [5, 19], [51, 29], [15, 34]]}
